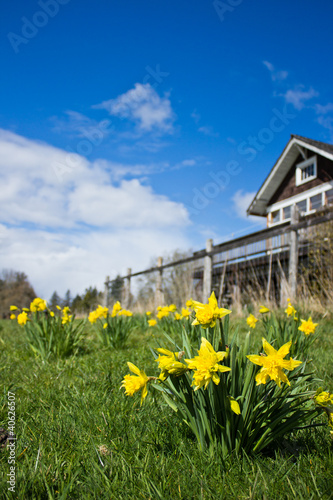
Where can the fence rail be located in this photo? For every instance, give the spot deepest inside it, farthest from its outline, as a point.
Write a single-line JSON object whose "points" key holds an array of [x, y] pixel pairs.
{"points": [[287, 237]]}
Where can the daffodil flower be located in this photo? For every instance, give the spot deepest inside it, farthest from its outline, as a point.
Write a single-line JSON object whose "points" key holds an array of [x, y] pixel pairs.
{"points": [[251, 321], [206, 365], [290, 309], [22, 318], [38, 304], [185, 313], [273, 363], [136, 382], [169, 363], [207, 314], [308, 326]]}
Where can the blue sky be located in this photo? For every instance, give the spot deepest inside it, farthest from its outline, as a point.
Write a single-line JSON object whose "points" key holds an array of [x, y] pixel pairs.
{"points": [[132, 129]]}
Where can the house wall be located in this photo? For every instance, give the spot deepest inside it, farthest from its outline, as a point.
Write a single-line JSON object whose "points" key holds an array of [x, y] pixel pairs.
{"points": [[288, 187]]}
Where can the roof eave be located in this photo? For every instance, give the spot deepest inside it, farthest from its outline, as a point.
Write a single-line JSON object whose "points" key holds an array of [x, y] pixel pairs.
{"points": [[258, 205]]}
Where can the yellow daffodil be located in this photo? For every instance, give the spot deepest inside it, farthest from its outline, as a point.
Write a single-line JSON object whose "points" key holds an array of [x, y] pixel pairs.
{"points": [[116, 308], [105, 326], [189, 303], [169, 363], [102, 312], [148, 313], [38, 304], [273, 363], [251, 321], [185, 313], [22, 318], [172, 308], [308, 326], [59, 308], [263, 310], [152, 322], [135, 383], [93, 317], [178, 316], [125, 312], [206, 365], [13, 308], [323, 398], [290, 309], [51, 314], [12, 316], [66, 319], [163, 312], [25, 309], [207, 314]]}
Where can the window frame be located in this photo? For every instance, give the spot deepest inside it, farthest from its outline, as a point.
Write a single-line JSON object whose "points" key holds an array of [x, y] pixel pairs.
{"points": [[302, 166]]}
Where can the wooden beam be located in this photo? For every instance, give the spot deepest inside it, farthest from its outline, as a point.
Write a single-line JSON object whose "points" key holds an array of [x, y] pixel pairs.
{"points": [[208, 266], [106, 292], [293, 254], [159, 296]]}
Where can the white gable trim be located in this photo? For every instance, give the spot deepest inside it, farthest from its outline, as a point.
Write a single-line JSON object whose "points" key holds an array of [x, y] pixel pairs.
{"points": [[278, 173]]}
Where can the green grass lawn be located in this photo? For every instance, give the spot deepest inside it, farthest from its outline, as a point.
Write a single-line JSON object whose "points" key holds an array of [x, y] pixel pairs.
{"points": [[80, 437]]}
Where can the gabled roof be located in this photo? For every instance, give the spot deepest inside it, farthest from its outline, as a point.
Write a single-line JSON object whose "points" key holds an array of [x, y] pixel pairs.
{"points": [[281, 168]]}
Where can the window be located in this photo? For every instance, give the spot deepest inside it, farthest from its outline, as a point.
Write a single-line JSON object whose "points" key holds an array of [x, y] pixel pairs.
{"points": [[302, 206], [315, 202], [276, 217], [329, 197], [306, 171], [287, 212]]}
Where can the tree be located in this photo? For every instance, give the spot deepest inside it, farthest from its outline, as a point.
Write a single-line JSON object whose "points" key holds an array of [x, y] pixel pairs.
{"points": [[177, 283], [67, 302], [77, 304], [117, 288], [15, 289], [91, 299], [55, 300]]}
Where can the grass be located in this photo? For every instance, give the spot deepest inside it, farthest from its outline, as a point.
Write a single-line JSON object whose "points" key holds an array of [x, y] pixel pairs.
{"points": [[80, 437]]}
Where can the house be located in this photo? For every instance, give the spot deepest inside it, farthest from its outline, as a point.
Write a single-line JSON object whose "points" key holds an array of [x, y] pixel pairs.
{"points": [[302, 176]]}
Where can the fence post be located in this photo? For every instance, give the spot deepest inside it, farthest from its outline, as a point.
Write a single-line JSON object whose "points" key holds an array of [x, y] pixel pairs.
{"points": [[106, 292], [293, 254], [127, 298], [207, 276], [159, 298]]}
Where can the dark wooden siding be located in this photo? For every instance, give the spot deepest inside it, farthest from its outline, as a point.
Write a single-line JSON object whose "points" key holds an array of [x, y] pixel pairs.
{"points": [[288, 187]]}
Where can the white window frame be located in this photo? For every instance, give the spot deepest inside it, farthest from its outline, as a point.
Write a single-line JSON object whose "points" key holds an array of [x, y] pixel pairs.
{"points": [[295, 199], [301, 166]]}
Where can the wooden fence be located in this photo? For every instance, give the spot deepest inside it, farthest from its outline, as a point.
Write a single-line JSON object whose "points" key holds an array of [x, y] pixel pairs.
{"points": [[270, 256]]}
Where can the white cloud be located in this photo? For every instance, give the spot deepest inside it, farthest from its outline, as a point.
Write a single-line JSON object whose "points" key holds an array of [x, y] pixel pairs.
{"points": [[61, 261], [69, 226], [206, 130], [143, 106], [46, 186], [325, 118], [79, 125], [188, 163], [275, 75], [196, 117], [327, 122], [298, 96], [241, 202], [324, 109]]}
